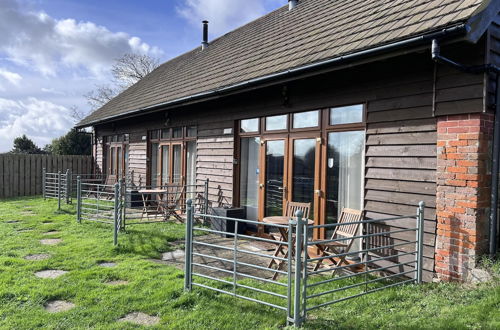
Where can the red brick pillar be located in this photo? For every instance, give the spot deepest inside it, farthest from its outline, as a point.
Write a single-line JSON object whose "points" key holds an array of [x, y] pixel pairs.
{"points": [[463, 193]]}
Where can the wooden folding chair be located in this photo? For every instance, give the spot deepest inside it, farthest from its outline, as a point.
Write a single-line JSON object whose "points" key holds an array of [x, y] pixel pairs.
{"points": [[341, 231], [171, 201], [289, 211]]}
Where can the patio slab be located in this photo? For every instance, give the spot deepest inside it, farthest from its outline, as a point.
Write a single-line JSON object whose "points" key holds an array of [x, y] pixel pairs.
{"points": [[57, 306], [140, 318], [50, 273], [41, 256], [227, 253], [50, 241]]}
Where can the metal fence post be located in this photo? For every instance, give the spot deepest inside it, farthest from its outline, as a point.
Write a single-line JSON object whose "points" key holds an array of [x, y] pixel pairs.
{"points": [[304, 269], [68, 186], [420, 242], [206, 196], [78, 199], [188, 252], [115, 217], [289, 295], [59, 190], [123, 202], [297, 320], [44, 181]]}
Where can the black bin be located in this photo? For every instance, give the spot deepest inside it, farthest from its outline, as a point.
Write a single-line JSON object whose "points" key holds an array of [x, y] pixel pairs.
{"points": [[226, 225]]}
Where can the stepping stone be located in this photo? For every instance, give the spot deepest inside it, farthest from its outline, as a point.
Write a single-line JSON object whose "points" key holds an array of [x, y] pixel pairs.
{"points": [[140, 319], [107, 264], [46, 222], [50, 273], [51, 241], [117, 282], [41, 256], [51, 232], [57, 306], [173, 255], [12, 221]]}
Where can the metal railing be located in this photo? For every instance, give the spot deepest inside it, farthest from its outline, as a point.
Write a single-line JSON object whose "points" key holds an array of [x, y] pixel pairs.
{"points": [[57, 186], [100, 203], [239, 265], [385, 262], [121, 205]]}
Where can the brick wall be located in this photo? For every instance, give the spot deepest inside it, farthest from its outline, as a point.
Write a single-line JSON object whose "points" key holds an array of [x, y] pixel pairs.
{"points": [[463, 194]]}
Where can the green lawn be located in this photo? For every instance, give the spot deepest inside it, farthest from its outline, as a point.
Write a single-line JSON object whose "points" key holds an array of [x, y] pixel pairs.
{"points": [[157, 289]]}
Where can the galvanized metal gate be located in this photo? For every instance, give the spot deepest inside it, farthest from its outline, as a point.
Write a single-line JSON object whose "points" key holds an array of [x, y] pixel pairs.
{"points": [[304, 287], [57, 186]]}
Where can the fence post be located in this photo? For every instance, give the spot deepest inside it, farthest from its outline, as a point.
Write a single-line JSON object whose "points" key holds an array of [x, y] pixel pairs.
{"points": [[44, 181], [420, 242], [123, 202], [206, 196], [115, 213], [78, 199], [59, 190], [304, 269], [290, 270], [68, 186], [188, 252], [297, 320]]}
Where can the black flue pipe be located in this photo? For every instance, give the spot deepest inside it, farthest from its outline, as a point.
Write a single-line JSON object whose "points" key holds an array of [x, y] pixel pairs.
{"points": [[204, 42]]}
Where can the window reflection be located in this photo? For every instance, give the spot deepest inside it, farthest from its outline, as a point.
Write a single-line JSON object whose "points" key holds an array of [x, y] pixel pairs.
{"points": [[346, 115], [305, 119], [274, 123]]}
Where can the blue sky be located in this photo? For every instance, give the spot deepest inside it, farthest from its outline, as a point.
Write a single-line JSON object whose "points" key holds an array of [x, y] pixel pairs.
{"points": [[54, 51]]}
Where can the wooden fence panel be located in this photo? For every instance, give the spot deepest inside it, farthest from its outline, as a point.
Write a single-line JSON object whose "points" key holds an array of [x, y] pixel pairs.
{"points": [[21, 175]]}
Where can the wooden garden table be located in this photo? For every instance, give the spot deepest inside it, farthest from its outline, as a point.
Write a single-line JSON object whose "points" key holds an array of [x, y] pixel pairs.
{"points": [[283, 239]]}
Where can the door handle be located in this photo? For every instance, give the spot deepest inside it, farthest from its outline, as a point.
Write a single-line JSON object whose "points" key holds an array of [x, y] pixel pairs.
{"points": [[261, 185], [318, 192]]}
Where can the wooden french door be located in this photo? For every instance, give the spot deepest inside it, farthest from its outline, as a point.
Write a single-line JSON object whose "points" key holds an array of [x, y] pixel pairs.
{"points": [[115, 162], [170, 163], [290, 171]]}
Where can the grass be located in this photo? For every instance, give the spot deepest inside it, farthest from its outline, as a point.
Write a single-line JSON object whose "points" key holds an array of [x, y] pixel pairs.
{"points": [[157, 289]]}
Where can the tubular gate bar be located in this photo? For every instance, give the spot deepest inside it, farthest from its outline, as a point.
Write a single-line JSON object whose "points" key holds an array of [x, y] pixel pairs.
{"points": [[57, 186], [121, 205], [387, 258]]}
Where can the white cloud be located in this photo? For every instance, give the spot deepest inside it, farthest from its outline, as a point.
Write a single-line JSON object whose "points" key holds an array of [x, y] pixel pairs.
{"points": [[40, 120], [11, 77], [36, 39], [223, 15]]}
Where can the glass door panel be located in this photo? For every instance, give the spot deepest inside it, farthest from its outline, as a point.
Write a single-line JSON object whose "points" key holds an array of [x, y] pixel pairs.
{"points": [[274, 177], [249, 176], [177, 163], [191, 169], [154, 165], [344, 173], [165, 165], [303, 172]]}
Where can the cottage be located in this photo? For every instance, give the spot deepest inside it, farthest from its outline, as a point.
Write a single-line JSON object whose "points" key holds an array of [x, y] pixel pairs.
{"points": [[372, 105]]}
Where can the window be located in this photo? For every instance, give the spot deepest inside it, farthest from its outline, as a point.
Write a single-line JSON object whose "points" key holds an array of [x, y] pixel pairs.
{"points": [[275, 123], [346, 115], [172, 156], [249, 125], [306, 119]]}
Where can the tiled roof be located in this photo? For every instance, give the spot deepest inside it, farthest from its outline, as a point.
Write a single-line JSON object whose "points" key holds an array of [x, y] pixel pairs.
{"points": [[314, 31]]}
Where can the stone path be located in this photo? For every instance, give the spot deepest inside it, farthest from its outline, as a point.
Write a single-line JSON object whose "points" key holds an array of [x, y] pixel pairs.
{"points": [[173, 255], [41, 256], [117, 282], [107, 264], [57, 306], [50, 273], [140, 319], [51, 232], [51, 241]]}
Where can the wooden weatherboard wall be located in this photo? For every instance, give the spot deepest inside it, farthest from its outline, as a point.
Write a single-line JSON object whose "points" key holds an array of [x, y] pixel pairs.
{"points": [[21, 175]]}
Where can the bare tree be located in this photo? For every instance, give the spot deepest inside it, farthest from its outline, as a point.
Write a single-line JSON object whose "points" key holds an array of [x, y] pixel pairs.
{"points": [[127, 70], [101, 95], [130, 68]]}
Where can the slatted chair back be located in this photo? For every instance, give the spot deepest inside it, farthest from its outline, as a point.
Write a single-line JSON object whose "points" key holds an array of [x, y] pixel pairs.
{"points": [[346, 216], [293, 207]]}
